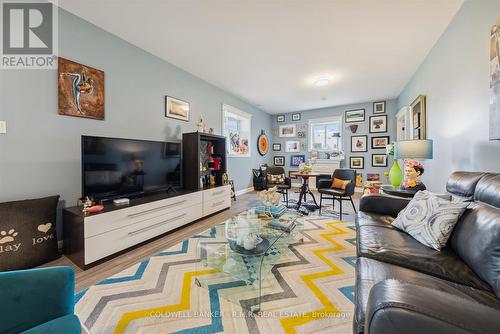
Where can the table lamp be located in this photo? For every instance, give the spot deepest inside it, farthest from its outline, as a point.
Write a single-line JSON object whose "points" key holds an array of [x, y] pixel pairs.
{"points": [[410, 150]]}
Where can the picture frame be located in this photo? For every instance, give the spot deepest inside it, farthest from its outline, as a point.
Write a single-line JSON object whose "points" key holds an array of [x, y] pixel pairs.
{"points": [[418, 118], [372, 176], [177, 109], [354, 115], [380, 142], [379, 160], [280, 118], [296, 117], [288, 131], [359, 144], [276, 147], [292, 146], [378, 124], [297, 159], [379, 107], [237, 140], [357, 162], [279, 161]]}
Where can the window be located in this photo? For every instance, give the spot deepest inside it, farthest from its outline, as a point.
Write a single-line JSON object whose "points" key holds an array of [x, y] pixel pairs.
{"points": [[325, 134]]}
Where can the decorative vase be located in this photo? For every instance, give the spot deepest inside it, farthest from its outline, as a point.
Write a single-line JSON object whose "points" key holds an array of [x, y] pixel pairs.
{"points": [[395, 174]]}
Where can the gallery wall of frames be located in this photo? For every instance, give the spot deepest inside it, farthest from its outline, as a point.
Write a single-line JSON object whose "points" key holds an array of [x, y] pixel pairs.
{"points": [[365, 131]]}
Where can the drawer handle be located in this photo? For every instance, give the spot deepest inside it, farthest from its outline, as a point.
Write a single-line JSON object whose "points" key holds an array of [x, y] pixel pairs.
{"points": [[218, 203], [133, 215], [155, 225]]}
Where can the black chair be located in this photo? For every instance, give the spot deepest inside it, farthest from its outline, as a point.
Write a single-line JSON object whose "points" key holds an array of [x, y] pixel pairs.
{"points": [[282, 187], [340, 195]]}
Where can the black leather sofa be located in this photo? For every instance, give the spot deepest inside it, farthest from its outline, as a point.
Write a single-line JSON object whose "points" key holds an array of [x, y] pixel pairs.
{"points": [[403, 286]]}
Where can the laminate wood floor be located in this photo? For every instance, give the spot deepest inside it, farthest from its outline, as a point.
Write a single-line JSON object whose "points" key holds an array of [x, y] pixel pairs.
{"points": [[86, 278]]}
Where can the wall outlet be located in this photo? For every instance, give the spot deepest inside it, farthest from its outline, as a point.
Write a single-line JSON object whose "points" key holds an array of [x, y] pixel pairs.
{"points": [[3, 127]]}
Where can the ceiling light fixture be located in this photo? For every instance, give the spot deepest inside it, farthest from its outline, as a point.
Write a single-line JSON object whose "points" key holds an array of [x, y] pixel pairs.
{"points": [[322, 81]]}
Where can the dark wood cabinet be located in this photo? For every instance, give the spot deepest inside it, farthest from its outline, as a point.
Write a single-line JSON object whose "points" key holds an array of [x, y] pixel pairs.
{"points": [[203, 157]]}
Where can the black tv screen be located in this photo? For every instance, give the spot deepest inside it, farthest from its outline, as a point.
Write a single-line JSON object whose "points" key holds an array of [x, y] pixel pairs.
{"points": [[114, 167]]}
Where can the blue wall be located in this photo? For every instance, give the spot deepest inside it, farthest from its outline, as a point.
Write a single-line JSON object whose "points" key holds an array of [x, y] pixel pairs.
{"points": [[363, 129], [40, 154], [455, 79]]}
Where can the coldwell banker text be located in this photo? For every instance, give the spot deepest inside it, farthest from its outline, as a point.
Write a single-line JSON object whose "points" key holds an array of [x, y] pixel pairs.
{"points": [[29, 38]]}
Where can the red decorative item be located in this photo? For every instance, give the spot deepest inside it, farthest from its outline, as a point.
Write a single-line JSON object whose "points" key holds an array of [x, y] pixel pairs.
{"points": [[95, 208], [216, 163]]}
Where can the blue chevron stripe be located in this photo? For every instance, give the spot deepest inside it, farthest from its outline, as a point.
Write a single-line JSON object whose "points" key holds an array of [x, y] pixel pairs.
{"points": [[351, 260], [348, 291], [213, 234], [183, 250], [216, 323], [80, 294]]}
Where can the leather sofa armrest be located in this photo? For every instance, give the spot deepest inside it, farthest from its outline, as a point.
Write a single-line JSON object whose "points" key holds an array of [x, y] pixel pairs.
{"points": [[400, 307], [324, 183], [383, 204]]}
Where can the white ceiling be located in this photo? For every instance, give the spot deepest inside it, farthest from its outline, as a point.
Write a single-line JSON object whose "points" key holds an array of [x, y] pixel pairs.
{"points": [[268, 52]]}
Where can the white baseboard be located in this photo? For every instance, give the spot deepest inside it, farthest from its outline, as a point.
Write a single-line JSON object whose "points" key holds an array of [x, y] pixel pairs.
{"points": [[244, 191]]}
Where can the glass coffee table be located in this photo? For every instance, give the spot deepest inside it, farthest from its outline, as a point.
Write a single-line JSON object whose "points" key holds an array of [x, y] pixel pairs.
{"points": [[243, 250]]}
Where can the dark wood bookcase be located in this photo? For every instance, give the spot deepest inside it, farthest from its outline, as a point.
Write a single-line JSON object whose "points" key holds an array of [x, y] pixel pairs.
{"points": [[195, 159]]}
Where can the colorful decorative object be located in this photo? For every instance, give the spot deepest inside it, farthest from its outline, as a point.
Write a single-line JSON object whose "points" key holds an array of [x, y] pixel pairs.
{"points": [[200, 125], [372, 177], [353, 128], [262, 143], [359, 180], [413, 149], [177, 109], [81, 90], [297, 159], [395, 174]]}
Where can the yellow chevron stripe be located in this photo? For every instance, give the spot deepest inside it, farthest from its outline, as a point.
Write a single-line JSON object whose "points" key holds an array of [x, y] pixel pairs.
{"points": [[329, 309], [128, 317]]}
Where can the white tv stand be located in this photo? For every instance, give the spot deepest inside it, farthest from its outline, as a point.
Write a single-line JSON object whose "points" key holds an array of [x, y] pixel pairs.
{"points": [[91, 239]]}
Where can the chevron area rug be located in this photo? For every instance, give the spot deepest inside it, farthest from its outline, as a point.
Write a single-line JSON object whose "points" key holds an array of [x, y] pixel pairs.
{"points": [[310, 290]]}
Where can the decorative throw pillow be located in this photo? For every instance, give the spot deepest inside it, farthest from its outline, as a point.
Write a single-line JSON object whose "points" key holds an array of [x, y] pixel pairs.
{"points": [[276, 179], [430, 219], [28, 233], [339, 183]]}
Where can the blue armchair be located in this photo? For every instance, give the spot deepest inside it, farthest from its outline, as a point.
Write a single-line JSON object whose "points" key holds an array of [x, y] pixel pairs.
{"points": [[38, 301]]}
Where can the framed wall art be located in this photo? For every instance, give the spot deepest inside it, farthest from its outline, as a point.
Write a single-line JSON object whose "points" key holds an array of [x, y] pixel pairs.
{"points": [[380, 142], [297, 159], [379, 107], [352, 116], [81, 90], [276, 147], [296, 117], [236, 127], [495, 82], [279, 161], [378, 124], [357, 162], [379, 160], [359, 144], [292, 146], [288, 131], [262, 143], [418, 118], [280, 118], [176, 108]]}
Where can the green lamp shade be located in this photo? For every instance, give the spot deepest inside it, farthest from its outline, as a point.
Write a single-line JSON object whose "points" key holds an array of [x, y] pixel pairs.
{"points": [[413, 149]]}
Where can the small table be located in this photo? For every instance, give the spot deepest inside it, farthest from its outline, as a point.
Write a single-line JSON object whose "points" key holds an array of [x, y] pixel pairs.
{"points": [[397, 191], [227, 262], [304, 189]]}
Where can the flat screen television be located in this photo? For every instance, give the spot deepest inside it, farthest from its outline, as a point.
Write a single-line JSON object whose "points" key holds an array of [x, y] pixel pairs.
{"points": [[114, 167]]}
